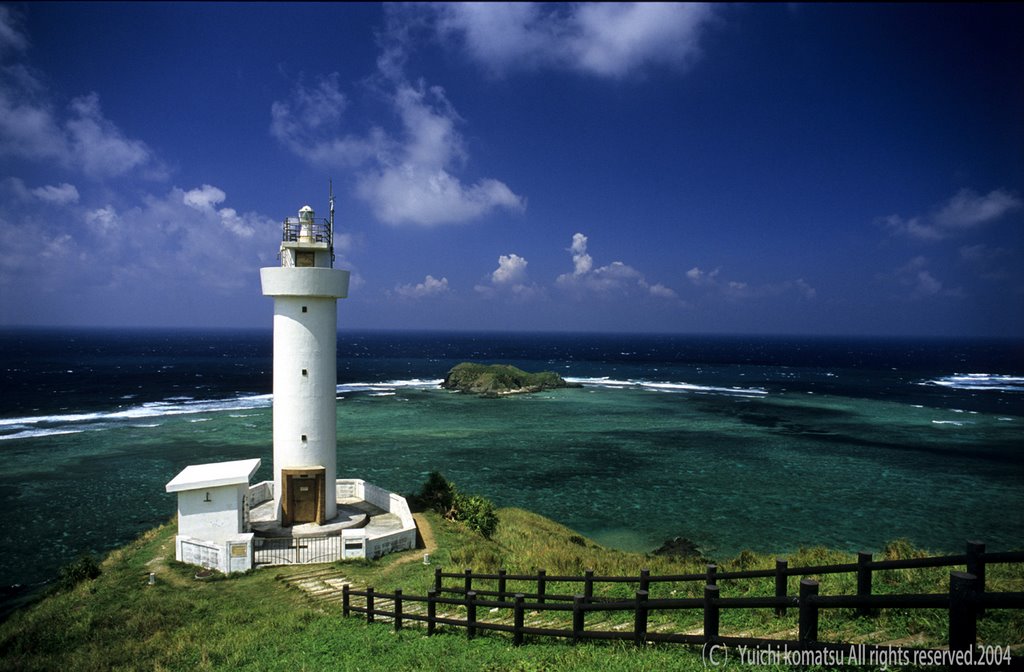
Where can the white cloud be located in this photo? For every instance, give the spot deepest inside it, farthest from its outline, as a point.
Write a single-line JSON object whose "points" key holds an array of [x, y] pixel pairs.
{"points": [[511, 269], [663, 292], [60, 194], [28, 128], [12, 39], [509, 280], [86, 140], [407, 180], [602, 39], [967, 209], [430, 286], [158, 241], [735, 289], [32, 128], [99, 147], [699, 277], [204, 197], [581, 261], [56, 194], [964, 212], [615, 279], [918, 282]]}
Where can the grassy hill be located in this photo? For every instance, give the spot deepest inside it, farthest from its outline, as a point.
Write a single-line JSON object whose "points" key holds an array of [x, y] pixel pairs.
{"points": [[258, 622]]}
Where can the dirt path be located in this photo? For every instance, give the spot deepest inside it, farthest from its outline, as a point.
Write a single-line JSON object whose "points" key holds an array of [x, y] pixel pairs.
{"points": [[426, 535]]}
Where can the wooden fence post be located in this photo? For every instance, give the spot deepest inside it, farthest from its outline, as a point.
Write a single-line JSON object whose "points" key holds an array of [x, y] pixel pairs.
{"points": [[369, 604], [711, 614], [517, 621], [976, 566], [963, 623], [471, 614], [541, 583], [588, 585], [863, 580], [577, 618], [645, 580], [808, 611], [712, 575], [469, 580], [431, 611], [437, 579], [398, 609], [640, 618], [502, 582], [781, 583], [346, 607]]}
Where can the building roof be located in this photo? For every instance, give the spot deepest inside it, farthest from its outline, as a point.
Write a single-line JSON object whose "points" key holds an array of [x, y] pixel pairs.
{"points": [[214, 474]]}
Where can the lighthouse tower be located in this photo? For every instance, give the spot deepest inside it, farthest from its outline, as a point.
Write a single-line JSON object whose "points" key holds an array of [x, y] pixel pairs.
{"points": [[306, 289]]}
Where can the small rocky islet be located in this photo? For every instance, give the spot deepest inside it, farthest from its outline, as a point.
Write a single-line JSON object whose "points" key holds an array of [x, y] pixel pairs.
{"points": [[498, 380]]}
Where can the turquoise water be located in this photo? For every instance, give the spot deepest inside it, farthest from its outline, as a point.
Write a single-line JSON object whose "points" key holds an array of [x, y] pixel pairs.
{"points": [[766, 456]]}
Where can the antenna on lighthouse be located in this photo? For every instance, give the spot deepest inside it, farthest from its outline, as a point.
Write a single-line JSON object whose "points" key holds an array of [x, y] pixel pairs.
{"points": [[330, 183]]}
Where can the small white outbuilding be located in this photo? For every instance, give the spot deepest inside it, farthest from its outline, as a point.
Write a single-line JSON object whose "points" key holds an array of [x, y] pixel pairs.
{"points": [[213, 515]]}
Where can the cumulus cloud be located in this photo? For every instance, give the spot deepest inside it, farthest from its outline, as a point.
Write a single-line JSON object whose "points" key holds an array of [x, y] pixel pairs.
{"points": [[430, 286], [614, 279], [406, 179], [601, 39], [511, 269], [509, 280], [964, 212], [204, 197], [161, 240]]}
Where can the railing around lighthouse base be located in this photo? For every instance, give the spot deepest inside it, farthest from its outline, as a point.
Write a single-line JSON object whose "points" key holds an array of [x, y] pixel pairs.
{"points": [[377, 540]]}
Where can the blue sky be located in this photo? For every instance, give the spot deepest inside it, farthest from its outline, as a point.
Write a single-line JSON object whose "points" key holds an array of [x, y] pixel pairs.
{"points": [[754, 169]]}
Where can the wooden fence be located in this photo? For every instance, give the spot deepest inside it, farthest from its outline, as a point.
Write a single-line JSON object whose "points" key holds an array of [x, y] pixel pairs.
{"points": [[966, 602]]}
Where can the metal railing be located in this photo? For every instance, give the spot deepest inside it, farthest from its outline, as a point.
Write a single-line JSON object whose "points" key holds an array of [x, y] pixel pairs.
{"points": [[308, 231]]}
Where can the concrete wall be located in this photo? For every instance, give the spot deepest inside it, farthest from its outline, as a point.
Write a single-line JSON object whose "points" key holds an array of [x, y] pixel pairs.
{"points": [[233, 555], [213, 514], [392, 542]]}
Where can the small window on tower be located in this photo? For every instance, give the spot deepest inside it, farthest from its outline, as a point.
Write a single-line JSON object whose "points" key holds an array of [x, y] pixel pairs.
{"points": [[304, 309], [303, 438], [305, 372], [305, 259]]}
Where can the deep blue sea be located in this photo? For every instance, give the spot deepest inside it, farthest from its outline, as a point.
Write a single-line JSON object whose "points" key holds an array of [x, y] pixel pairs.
{"points": [[736, 442]]}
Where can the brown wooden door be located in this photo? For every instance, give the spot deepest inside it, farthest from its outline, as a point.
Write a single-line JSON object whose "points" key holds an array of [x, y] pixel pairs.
{"points": [[304, 499]]}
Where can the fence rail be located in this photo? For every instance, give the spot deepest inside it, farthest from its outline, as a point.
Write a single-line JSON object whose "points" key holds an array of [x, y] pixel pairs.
{"points": [[965, 602], [297, 550]]}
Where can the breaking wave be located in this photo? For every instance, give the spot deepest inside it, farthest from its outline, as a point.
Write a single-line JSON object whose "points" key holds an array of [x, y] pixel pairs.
{"points": [[980, 381], [73, 423], [612, 383]]}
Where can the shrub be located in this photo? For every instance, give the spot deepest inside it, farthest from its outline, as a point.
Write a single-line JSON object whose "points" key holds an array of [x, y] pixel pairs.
{"points": [[477, 512], [438, 493], [83, 569], [441, 495]]}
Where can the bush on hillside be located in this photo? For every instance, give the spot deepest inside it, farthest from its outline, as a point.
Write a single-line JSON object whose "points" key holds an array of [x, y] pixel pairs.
{"points": [[441, 495], [85, 568]]}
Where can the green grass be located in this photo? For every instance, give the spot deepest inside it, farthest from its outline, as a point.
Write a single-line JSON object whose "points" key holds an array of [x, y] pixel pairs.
{"points": [[256, 622]]}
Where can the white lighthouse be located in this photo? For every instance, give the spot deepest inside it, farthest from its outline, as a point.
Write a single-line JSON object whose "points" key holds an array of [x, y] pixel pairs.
{"points": [[225, 523], [306, 289]]}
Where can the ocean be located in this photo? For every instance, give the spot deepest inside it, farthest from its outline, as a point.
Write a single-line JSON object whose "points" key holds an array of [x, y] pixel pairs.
{"points": [[762, 443]]}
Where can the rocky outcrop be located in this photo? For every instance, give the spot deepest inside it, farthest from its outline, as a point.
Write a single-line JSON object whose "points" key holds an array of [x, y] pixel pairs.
{"points": [[496, 380]]}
